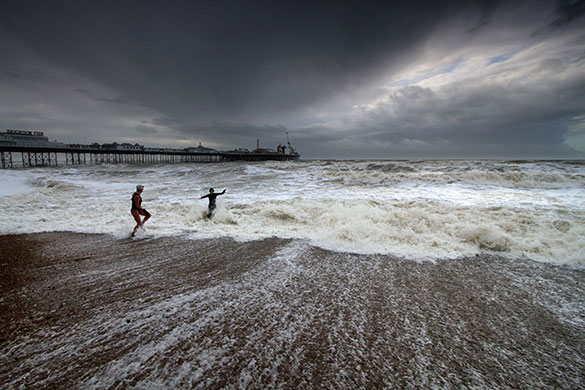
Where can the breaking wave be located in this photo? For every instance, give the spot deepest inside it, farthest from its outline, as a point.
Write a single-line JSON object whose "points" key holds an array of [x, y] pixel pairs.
{"points": [[420, 230], [552, 175], [417, 210]]}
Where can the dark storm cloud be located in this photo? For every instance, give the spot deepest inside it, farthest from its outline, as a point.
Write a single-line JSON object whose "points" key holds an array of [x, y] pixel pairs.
{"points": [[218, 58], [568, 11], [145, 129], [118, 99], [226, 73], [12, 75], [487, 119]]}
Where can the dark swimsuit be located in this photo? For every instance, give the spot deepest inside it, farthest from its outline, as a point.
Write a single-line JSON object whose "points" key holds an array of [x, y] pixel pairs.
{"points": [[211, 197], [140, 211]]}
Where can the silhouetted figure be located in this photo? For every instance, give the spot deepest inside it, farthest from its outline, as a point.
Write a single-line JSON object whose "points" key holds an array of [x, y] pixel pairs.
{"points": [[212, 195]]}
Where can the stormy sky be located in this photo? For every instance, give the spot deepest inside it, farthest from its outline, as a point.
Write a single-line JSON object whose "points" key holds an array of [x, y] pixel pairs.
{"points": [[363, 79]]}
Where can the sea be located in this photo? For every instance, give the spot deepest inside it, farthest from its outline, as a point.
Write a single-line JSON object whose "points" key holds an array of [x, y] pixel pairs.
{"points": [[417, 210], [451, 274]]}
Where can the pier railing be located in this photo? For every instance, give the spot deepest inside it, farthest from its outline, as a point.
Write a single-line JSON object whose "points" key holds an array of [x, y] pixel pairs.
{"points": [[23, 157]]}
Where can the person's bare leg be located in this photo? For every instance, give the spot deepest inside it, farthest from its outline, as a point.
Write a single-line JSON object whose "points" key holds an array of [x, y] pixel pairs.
{"points": [[138, 222]]}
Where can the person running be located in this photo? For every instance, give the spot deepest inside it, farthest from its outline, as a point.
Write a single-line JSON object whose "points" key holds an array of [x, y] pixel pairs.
{"points": [[137, 209], [212, 195]]}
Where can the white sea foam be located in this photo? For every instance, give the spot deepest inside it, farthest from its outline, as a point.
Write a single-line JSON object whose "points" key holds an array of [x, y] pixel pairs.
{"points": [[15, 183], [421, 210]]}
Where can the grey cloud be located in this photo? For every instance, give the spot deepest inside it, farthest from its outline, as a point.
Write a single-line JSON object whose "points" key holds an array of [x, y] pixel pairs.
{"points": [[208, 60], [520, 115], [491, 122], [167, 122], [118, 99], [230, 72], [12, 75], [146, 129], [568, 11]]}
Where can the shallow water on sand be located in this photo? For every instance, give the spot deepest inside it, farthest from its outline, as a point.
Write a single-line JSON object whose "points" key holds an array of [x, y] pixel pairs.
{"points": [[95, 312]]}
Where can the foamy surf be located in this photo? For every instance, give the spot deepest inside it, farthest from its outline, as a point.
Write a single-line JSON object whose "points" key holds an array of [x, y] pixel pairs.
{"points": [[416, 210], [95, 312]]}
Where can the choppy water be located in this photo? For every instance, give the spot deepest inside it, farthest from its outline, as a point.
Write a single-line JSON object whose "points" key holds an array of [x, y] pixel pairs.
{"points": [[413, 209]]}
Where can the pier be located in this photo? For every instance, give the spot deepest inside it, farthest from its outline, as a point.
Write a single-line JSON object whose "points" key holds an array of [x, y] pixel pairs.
{"points": [[26, 148], [25, 156]]}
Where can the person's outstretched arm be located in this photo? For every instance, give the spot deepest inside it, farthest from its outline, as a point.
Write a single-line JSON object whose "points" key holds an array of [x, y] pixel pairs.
{"points": [[223, 192]]}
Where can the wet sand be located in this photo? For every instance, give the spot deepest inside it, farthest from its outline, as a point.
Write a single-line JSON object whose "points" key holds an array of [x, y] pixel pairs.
{"points": [[95, 312]]}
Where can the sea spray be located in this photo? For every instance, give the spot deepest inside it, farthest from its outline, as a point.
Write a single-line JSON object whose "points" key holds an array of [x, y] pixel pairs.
{"points": [[412, 209]]}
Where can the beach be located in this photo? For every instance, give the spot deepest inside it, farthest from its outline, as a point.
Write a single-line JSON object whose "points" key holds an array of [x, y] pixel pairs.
{"points": [[95, 311], [292, 195]]}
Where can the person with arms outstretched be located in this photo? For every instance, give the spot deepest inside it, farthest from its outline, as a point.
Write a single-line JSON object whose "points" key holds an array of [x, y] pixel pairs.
{"points": [[137, 209], [212, 195]]}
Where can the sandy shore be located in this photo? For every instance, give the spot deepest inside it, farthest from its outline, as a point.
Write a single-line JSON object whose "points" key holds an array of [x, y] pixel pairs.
{"points": [[92, 311]]}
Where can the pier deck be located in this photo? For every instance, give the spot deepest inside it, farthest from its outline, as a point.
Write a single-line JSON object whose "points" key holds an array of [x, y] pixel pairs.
{"points": [[23, 157]]}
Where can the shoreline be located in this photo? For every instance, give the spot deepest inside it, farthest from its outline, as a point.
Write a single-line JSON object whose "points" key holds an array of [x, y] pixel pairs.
{"points": [[94, 311]]}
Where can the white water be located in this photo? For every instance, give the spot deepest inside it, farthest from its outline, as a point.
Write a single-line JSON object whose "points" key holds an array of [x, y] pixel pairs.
{"points": [[415, 209]]}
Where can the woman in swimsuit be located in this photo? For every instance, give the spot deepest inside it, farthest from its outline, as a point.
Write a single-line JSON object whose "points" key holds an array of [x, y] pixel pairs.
{"points": [[137, 209]]}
